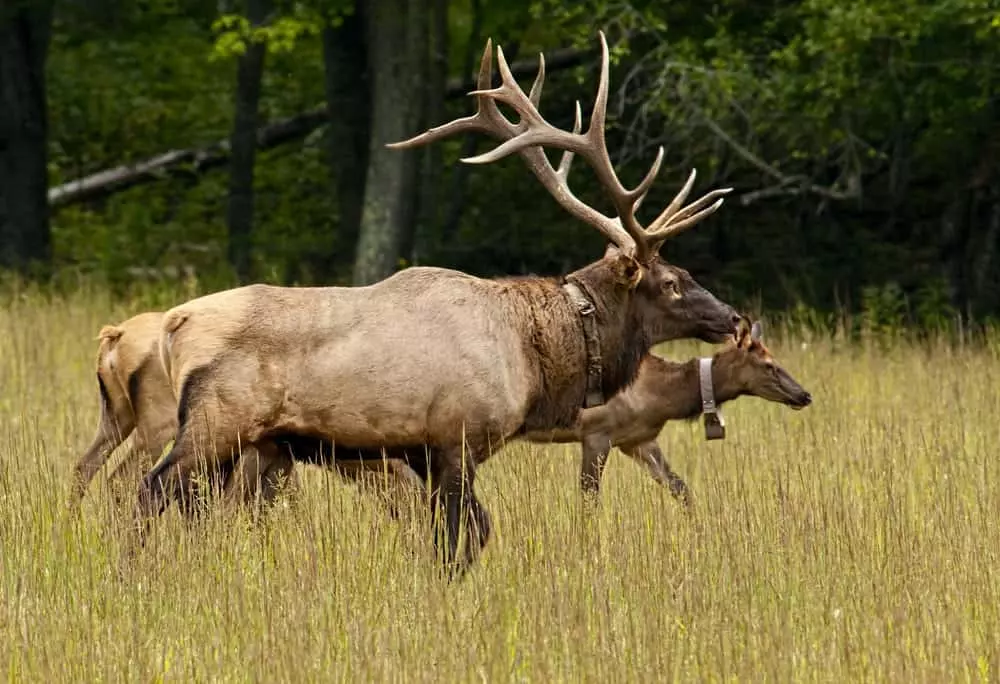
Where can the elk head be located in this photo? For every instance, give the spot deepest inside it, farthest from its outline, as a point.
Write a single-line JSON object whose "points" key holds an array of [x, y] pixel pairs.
{"points": [[668, 303], [748, 367]]}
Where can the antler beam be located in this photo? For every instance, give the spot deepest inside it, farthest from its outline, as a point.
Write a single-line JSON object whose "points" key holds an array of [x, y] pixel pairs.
{"points": [[532, 133]]}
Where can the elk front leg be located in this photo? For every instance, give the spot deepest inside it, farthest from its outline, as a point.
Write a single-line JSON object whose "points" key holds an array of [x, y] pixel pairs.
{"points": [[115, 425], [172, 478], [650, 455], [453, 494], [596, 448]]}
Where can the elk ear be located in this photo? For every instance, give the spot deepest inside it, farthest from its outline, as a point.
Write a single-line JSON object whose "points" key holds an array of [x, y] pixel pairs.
{"points": [[757, 331], [743, 332], [627, 270]]}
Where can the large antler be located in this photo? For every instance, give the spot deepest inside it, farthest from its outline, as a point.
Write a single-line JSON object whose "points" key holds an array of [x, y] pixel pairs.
{"points": [[533, 132], [489, 120]]}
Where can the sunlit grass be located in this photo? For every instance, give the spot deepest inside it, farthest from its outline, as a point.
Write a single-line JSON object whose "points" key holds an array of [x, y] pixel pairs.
{"points": [[857, 539]]}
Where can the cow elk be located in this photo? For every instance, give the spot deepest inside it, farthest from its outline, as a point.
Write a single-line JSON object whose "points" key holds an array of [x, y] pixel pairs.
{"points": [[437, 358], [665, 390], [136, 399]]}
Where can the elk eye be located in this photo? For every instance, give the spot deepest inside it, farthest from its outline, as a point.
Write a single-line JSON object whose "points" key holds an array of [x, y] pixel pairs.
{"points": [[672, 287]]}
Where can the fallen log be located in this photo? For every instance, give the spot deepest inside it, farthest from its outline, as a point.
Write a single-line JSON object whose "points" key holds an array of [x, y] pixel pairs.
{"points": [[202, 158]]}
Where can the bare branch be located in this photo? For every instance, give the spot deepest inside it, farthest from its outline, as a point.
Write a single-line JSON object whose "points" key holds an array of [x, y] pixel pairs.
{"points": [[200, 158], [786, 182]]}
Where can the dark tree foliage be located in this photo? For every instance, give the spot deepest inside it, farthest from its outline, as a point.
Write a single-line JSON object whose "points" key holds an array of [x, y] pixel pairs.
{"points": [[861, 139], [243, 143], [348, 100], [25, 239]]}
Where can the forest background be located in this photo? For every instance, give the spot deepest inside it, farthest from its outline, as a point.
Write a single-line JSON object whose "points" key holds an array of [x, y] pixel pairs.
{"points": [[170, 142]]}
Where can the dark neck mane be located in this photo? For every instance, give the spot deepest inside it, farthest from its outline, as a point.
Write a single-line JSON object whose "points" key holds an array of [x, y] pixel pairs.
{"points": [[624, 342], [555, 339]]}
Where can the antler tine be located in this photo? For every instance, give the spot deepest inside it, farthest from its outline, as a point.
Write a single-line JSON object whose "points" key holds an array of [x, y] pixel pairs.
{"points": [[487, 119], [642, 189], [686, 218], [566, 161], [678, 199], [625, 201], [526, 138], [687, 211], [535, 94], [677, 218], [534, 129], [674, 213]]}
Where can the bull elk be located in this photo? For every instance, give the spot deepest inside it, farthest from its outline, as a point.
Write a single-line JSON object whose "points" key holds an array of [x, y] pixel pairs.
{"points": [[435, 358], [136, 399]]}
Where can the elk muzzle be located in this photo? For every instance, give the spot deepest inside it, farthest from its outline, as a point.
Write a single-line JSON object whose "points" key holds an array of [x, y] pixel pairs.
{"points": [[795, 395]]}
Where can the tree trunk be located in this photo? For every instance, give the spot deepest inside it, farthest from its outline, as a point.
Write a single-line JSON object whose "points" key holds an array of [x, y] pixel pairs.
{"points": [[25, 236], [460, 172], [428, 203], [398, 61], [348, 102], [243, 143]]}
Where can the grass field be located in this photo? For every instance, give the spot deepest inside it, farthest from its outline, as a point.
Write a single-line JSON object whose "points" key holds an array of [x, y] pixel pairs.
{"points": [[855, 540]]}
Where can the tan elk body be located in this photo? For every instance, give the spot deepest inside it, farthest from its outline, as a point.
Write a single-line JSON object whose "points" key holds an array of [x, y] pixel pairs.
{"points": [[436, 358], [631, 420], [136, 399]]}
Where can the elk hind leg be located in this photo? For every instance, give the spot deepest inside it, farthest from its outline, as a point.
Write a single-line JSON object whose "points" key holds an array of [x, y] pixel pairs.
{"points": [[262, 471], [115, 425], [392, 481]]}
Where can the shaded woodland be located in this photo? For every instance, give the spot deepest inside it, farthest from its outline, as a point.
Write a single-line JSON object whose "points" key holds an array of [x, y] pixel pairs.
{"points": [[245, 141]]}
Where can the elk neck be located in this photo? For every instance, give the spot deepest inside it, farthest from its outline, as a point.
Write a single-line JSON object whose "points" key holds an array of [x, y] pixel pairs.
{"points": [[617, 326], [592, 342], [557, 350], [552, 322], [677, 386]]}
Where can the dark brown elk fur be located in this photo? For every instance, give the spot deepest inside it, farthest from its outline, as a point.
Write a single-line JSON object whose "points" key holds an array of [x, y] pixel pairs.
{"points": [[430, 356]]}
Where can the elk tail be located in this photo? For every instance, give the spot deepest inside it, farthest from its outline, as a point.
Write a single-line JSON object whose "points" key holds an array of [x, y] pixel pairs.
{"points": [[110, 333], [171, 322], [108, 379]]}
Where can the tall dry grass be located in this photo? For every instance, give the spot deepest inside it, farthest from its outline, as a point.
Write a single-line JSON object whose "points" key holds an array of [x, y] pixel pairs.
{"points": [[856, 540]]}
